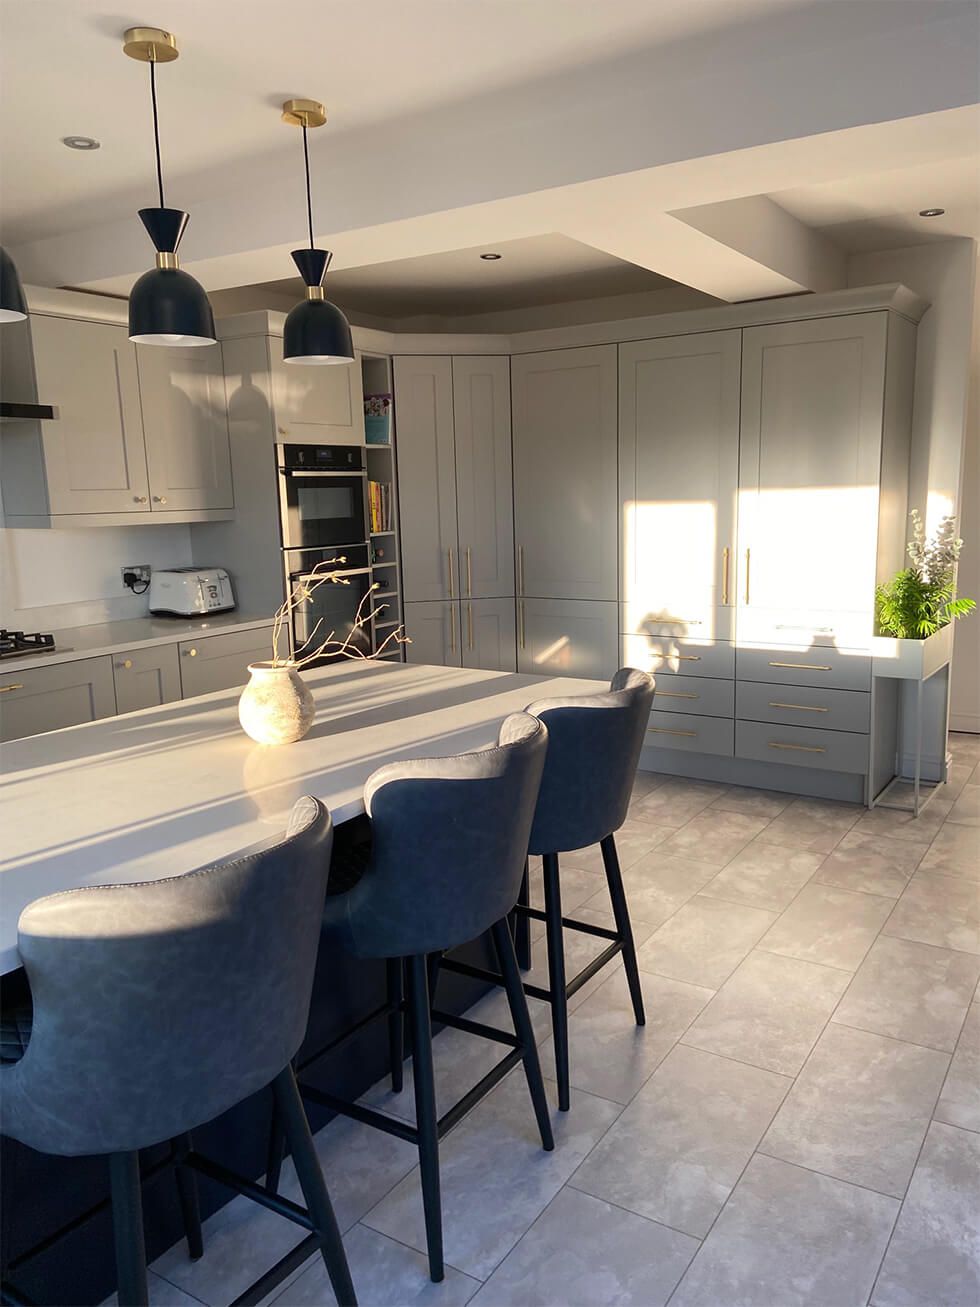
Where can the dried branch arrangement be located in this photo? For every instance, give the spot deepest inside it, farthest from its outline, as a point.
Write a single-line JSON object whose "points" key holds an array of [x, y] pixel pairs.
{"points": [[317, 646]]}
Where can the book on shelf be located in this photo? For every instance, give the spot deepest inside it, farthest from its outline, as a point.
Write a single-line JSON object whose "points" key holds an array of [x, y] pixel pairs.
{"points": [[377, 419], [379, 506]]}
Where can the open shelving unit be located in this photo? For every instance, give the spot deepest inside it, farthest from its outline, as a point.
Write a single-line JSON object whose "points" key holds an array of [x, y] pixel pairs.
{"points": [[382, 466]]}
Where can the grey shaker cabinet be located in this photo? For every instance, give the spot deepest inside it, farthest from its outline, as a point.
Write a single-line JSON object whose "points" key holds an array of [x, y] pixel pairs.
{"points": [[47, 698], [146, 677], [567, 637], [433, 628], [488, 634], [484, 494], [220, 662]]}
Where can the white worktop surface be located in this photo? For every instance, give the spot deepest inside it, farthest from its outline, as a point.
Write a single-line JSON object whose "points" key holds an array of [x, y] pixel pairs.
{"points": [[74, 642], [165, 790]]}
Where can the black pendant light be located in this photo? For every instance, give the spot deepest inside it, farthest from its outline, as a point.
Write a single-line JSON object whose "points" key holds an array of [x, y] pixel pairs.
{"points": [[13, 305], [316, 331], [166, 305]]}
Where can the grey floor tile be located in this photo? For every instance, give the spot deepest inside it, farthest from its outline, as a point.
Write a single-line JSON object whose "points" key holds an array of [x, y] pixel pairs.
{"points": [[162, 1294], [646, 782], [678, 1149], [609, 1054], [753, 803], [812, 824], [704, 941], [769, 1012], [955, 852], [789, 1238], [874, 864], [713, 837], [966, 810], [582, 1252], [859, 1109], [385, 1274], [577, 886], [633, 840], [934, 1256], [496, 1178], [911, 991], [765, 875], [900, 825], [942, 910], [658, 885], [959, 1103], [829, 925], [677, 801], [965, 745]]}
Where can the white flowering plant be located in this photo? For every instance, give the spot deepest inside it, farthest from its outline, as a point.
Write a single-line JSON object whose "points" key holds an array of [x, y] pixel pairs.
{"points": [[922, 598]]}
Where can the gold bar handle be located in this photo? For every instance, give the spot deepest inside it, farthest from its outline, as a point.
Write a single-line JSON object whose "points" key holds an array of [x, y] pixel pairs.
{"points": [[725, 554], [469, 623], [9, 689], [797, 748], [663, 730], [449, 560], [748, 564], [799, 707], [520, 571], [521, 622], [805, 667], [684, 658], [452, 630], [469, 572], [676, 694]]}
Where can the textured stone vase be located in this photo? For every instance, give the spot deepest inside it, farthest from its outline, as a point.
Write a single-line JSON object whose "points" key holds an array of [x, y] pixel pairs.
{"points": [[275, 707]]}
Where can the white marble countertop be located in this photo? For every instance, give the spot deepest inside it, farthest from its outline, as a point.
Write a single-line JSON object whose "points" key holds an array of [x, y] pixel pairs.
{"points": [[74, 642], [165, 790]]}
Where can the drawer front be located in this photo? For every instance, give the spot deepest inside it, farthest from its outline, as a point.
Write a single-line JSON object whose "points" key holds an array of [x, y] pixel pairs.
{"points": [[695, 694], [803, 705], [670, 730], [799, 746], [676, 655], [48, 698], [220, 662], [830, 668], [146, 678]]}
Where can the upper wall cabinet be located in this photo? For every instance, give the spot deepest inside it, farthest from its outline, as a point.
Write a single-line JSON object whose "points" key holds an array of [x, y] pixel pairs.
{"points": [[679, 415], [484, 496], [316, 405], [566, 499]]}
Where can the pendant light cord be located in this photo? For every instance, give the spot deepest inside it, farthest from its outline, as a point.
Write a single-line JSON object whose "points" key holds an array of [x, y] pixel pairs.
{"points": [[156, 128], [309, 199]]}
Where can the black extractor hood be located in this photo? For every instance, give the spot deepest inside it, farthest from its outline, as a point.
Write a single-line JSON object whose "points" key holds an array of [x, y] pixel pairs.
{"points": [[13, 412]]}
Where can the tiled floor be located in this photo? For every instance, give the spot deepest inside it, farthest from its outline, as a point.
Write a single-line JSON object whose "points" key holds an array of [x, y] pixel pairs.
{"points": [[797, 1124]]}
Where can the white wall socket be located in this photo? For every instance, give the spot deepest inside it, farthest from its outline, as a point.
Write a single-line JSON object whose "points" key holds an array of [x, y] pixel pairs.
{"points": [[141, 570]]}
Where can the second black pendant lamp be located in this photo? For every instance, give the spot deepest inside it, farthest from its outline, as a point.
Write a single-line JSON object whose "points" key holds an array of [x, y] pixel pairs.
{"points": [[167, 306], [316, 331]]}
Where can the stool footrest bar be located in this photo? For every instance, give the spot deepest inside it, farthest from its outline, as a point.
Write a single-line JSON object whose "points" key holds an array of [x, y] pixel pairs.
{"points": [[476, 1028], [568, 923], [274, 1277], [472, 1097], [281, 1206], [366, 1115]]}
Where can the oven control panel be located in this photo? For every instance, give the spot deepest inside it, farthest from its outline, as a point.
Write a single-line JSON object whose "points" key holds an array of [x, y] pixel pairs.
{"points": [[320, 458]]}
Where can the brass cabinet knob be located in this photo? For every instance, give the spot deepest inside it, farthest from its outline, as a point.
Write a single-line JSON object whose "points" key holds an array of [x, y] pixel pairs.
{"points": [[191, 653], [125, 665], [159, 499], [139, 499]]}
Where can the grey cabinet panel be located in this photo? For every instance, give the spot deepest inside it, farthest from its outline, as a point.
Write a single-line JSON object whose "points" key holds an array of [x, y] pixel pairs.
{"points": [[146, 677], [695, 694], [93, 454], [433, 628], [693, 734], [567, 637], [185, 425], [566, 496], [673, 655], [220, 662], [484, 485], [801, 747], [316, 405], [426, 477], [803, 705], [48, 698], [832, 669], [489, 634]]}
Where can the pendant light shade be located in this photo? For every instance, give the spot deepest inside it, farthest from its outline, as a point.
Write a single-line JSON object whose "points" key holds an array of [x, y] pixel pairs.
{"points": [[166, 305], [13, 305], [316, 331]]}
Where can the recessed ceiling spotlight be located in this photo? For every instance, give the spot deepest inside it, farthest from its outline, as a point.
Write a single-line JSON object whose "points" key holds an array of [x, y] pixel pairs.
{"points": [[81, 142], [931, 213], [491, 258]]}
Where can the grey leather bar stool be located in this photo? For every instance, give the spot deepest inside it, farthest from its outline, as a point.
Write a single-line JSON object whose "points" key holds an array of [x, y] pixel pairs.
{"points": [[594, 744], [158, 1006], [449, 837]]}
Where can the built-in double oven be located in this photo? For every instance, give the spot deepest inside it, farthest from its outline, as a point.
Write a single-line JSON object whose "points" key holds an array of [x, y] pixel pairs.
{"points": [[323, 521]]}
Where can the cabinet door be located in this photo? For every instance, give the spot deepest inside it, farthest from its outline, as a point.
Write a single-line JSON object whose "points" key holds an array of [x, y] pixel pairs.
{"points": [[145, 678], [561, 637], [94, 453], [220, 662], [433, 628], [812, 407], [678, 423], [426, 477], [484, 482], [488, 630], [317, 404], [185, 423], [62, 694], [566, 497]]}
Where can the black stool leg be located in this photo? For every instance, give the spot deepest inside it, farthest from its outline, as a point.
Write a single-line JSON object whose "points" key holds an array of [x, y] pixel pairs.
{"points": [[127, 1227], [556, 977], [290, 1108], [425, 1112], [396, 1024], [276, 1151], [522, 924], [523, 1029], [190, 1206], [617, 895]]}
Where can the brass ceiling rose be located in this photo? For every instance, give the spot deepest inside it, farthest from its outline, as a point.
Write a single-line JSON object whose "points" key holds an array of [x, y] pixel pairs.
{"points": [[304, 113], [150, 45]]}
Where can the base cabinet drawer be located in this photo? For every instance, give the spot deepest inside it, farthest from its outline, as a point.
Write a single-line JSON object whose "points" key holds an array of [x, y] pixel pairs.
{"points": [[44, 699], [843, 751], [803, 705], [146, 678], [680, 656], [695, 694], [669, 730], [834, 669], [567, 637], [220, 662]]}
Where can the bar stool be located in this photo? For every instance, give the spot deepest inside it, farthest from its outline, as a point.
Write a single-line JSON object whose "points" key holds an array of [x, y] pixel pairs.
{"points": [[157, 1007], [594, 744], [448, 850]]}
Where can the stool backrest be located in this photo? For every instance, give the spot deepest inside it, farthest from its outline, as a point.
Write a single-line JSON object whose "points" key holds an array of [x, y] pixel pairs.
{"points": [[159, 1005], [594, 744], [449, 838]]}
